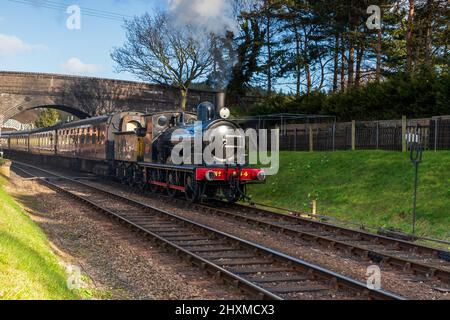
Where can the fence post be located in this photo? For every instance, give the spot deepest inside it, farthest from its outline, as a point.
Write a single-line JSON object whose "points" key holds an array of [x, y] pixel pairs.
{"points": [[378, 135], [353, 135], [311, 139], [318, 139], [404, 124], [334, 135], [436, 131], [295, 139]]}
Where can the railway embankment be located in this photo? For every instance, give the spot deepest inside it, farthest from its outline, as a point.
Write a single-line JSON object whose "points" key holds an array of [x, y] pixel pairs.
{"points": [[29, 269], [374, 188], [5, 167]]}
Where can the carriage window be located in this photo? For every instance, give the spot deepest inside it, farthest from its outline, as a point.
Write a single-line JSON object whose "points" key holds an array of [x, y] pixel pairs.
{"points": [[132, 126]]}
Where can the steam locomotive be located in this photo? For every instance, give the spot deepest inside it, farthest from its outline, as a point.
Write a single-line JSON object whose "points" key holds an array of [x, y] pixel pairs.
{"points": [[136, 149]]}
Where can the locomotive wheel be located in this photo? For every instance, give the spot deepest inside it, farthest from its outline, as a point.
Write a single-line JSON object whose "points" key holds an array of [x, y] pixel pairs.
{"points": [[119, 173], [130, 178], [153, 177], [192, 188], [123, 174], [231, 195], [139, 179], [116, 172], [210, 192], [153, 188], [171, 180]]}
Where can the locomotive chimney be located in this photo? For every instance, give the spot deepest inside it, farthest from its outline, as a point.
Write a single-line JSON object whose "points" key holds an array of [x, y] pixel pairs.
{"points": [[220, 100]]}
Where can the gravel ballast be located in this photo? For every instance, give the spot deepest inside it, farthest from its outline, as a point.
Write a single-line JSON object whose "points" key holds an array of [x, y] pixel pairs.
{"points": [[116, 262]]}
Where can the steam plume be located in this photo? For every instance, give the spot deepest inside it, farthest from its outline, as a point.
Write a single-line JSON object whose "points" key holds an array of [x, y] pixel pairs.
{"points": [[210, 16]]}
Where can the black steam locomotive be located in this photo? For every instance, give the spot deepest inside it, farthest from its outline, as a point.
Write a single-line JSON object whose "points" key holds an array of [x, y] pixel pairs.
{"points": [[137, 150]]}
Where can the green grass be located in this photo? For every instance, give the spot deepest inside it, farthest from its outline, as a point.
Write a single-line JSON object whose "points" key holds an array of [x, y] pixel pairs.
{"points": [[29, 270], [370, 187]]}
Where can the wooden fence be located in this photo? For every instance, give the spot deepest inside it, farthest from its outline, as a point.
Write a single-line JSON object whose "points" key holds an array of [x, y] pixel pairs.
{"points": [[432, 134]]}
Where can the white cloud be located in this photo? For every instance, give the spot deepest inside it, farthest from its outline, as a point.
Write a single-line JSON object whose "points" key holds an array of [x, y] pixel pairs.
{"points": [[78, 67], [11, 46]]}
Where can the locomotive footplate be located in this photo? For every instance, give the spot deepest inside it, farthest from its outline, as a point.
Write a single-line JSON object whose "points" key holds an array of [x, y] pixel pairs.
{"points": [[201, 182], [212, 173]]}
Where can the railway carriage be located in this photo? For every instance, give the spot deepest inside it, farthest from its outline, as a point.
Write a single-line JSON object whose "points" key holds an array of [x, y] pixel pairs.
{"points": [[136, 149], [42, 142], [19, 142]]}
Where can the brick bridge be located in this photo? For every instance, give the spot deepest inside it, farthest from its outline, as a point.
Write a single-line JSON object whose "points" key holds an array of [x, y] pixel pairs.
{"points": [[84, 97]]}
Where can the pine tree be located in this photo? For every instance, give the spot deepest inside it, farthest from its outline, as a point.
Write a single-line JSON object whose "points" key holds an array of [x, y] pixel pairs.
{"points": [[308, 46]]}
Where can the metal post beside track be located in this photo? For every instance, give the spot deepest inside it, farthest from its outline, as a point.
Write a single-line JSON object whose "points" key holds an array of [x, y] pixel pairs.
{"points": [[416, 158]]}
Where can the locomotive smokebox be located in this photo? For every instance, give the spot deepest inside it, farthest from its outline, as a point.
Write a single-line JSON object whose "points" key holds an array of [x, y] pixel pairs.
{"points": [[220, 100]]}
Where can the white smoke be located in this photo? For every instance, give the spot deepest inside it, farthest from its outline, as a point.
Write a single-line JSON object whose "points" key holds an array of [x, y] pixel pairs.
{"points": [[204, 19], [209, 16]]}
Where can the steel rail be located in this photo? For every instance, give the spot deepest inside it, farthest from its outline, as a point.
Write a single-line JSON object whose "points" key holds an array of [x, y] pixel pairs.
{"points": [[335, 280], [324, 225], [405, 247], [356, 235], [405, 264]]}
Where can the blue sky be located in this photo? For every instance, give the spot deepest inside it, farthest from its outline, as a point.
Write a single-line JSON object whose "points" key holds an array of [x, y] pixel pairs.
{"points": [[36, 39]]}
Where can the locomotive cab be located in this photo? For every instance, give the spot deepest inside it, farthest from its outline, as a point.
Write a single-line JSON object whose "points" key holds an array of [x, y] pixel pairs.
{"points": [[129, 140], [160, 125]]}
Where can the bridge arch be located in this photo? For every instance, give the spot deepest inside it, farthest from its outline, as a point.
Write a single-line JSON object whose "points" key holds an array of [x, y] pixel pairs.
{"points": [[25, 103], [71, 110]]}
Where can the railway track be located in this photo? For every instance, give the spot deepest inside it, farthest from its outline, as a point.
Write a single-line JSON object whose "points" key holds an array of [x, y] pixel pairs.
{"points": [[418, 259], [406, 256], [260, 272]]}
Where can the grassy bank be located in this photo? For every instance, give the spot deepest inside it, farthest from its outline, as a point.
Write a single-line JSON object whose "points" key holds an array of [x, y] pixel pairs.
{"points": [[28, 268], [370, 187]]}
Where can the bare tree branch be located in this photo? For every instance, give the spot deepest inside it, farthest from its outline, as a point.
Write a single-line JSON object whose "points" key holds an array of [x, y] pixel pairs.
{"points": [[157, 51]]}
